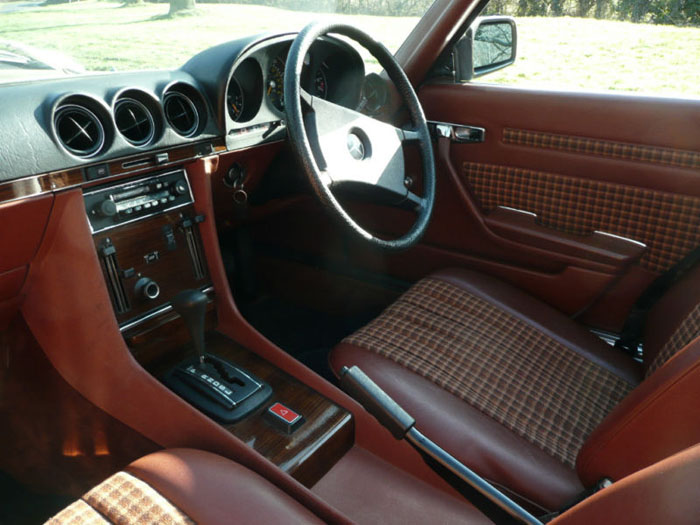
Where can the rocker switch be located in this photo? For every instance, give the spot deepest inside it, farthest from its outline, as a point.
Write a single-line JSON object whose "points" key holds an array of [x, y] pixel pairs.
{"points": [[283, 418]]}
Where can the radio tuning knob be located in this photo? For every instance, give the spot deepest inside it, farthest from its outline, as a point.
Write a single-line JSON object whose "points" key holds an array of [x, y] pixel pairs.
{"points": [[107, 208], [180, 188]]}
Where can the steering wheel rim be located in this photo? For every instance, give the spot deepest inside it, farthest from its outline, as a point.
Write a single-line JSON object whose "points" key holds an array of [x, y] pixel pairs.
{"points": [[294, 98]]}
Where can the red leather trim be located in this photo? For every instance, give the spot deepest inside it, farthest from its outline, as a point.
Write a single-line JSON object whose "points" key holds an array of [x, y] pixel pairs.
{"points": [[658, 418], [59, 442], [11, 282], [666, 492], [65, 289], [370, 490], [213, 490], [24, 222]]}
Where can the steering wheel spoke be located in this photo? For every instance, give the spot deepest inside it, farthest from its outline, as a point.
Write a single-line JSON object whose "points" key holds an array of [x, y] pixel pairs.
{"points": [[408, 134], [354, 148], [417, 202]]}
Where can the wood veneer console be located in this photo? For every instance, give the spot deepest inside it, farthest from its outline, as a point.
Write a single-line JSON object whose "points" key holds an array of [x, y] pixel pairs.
{"points": [[308, 453], [143, 247]]}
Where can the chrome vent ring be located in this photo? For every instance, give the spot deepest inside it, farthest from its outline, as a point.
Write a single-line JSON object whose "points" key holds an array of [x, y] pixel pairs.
{"points": [[134, 121], [181, 113], [79, 130]]}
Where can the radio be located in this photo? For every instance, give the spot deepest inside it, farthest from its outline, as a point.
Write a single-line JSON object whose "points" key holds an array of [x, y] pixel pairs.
{"points": [[118, 204]]}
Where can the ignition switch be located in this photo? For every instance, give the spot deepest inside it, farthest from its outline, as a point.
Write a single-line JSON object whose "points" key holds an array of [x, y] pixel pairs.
{"points": [[235, 176]]}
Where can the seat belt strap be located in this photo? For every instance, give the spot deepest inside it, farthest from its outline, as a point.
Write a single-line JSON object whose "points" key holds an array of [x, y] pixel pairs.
{"points": [[633, 329]]}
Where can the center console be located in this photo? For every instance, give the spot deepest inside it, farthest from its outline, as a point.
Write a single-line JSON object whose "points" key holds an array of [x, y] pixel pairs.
{"points": [[147, 238]]}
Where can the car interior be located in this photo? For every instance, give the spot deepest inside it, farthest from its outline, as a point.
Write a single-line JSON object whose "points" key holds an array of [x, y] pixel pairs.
{"points": [[271, 287]]}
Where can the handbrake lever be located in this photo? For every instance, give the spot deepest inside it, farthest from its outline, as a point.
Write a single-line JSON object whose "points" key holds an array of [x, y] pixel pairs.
{"points": [[402, 425]]}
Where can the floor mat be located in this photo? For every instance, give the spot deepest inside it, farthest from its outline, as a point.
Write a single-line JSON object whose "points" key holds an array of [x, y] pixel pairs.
{"points": [[19, 506], [307, 334]]}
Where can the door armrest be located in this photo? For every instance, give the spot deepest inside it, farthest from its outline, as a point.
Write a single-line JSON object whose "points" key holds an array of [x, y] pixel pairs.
{"points": [[522, 226]]}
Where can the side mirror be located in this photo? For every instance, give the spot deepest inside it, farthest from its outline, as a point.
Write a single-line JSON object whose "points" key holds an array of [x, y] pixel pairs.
{"points": [[487, 46]]}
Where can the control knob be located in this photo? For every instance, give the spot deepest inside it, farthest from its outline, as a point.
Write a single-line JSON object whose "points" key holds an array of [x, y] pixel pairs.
{"points": [[180, 188], [147, 288], [106, 208]]}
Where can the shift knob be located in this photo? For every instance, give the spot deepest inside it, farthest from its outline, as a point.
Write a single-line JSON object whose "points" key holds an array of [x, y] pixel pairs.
{"points": [[192, 307]]}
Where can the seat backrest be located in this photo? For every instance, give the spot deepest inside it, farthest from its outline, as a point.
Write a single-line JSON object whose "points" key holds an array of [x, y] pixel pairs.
{"points": [[666, 492], [673, 322], [662, 415]]}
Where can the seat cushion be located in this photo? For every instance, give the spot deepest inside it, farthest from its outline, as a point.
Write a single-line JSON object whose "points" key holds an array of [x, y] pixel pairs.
{"points": [[524, 366], [183, 487]]}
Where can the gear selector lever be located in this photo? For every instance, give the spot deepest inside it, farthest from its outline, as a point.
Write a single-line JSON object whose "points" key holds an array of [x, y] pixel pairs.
{"points": [[218, 388], [192, 307]]}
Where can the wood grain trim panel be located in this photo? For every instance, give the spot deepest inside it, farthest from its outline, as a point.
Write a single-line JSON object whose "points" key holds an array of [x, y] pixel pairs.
{"points": [[602, 148], [135, 165]]}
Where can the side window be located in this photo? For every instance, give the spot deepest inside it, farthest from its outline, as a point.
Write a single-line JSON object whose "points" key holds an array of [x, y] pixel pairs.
{"points": [[636, 46]]}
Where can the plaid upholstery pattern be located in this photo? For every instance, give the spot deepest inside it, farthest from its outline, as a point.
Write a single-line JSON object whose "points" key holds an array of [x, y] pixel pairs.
{"points": [[78, 513], [603, 148], [668, 223], [688, 330], [122, 499], [497, 363]]}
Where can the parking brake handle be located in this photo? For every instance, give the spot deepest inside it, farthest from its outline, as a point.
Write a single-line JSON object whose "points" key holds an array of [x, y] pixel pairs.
{"points": [[377, 402], [402, 425]]}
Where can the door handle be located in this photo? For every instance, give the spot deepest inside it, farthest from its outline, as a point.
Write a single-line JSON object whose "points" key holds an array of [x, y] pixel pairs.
{"points": [[463, 134]]}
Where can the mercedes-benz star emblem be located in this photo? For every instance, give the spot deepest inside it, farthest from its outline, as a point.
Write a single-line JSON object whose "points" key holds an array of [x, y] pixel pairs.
{"points": [[356, 147]]}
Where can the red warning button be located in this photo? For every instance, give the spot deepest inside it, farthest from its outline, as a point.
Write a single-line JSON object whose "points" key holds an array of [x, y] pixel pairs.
{"points": [[281, 411]]}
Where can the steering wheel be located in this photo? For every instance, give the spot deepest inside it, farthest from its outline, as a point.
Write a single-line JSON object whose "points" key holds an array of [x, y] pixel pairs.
{"points": [[337, 145]]}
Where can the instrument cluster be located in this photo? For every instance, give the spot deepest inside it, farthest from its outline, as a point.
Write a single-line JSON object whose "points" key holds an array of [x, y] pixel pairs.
{"points": [[332, 70]]}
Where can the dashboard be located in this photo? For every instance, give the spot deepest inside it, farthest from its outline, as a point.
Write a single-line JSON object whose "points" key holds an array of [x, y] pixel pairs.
{"points": [[228, 97]]}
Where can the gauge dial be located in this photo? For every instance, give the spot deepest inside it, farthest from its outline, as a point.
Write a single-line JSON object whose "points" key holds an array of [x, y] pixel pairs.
{"points": [[320, 84], [275, 83], [235, 100]]}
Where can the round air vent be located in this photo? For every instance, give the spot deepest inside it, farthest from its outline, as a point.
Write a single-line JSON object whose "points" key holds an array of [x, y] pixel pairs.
{"points": [[181, 113], [134, 121], [79, 130]]}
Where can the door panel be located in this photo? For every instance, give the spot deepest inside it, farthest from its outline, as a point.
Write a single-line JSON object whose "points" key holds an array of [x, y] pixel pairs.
{"points": [[582, 163]]}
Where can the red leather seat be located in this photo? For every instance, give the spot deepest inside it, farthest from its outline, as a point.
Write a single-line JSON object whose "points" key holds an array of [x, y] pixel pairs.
{"points": [[186, 486], [524, 395]]}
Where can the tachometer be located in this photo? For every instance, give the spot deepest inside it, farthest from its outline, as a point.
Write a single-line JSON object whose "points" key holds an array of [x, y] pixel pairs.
{"points": [[275, 83], [235, 100]]}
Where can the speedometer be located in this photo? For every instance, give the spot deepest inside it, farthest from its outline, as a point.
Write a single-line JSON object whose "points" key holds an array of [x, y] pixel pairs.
{"points": [[275, 83]]}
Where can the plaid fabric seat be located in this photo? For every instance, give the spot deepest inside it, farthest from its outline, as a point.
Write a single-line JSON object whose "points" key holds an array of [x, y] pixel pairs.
{"points": [[121, 498], [523, 378]]}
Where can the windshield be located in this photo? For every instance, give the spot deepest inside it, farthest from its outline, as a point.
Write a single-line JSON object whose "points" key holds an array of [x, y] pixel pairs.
{"points": [[115, 36]]}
